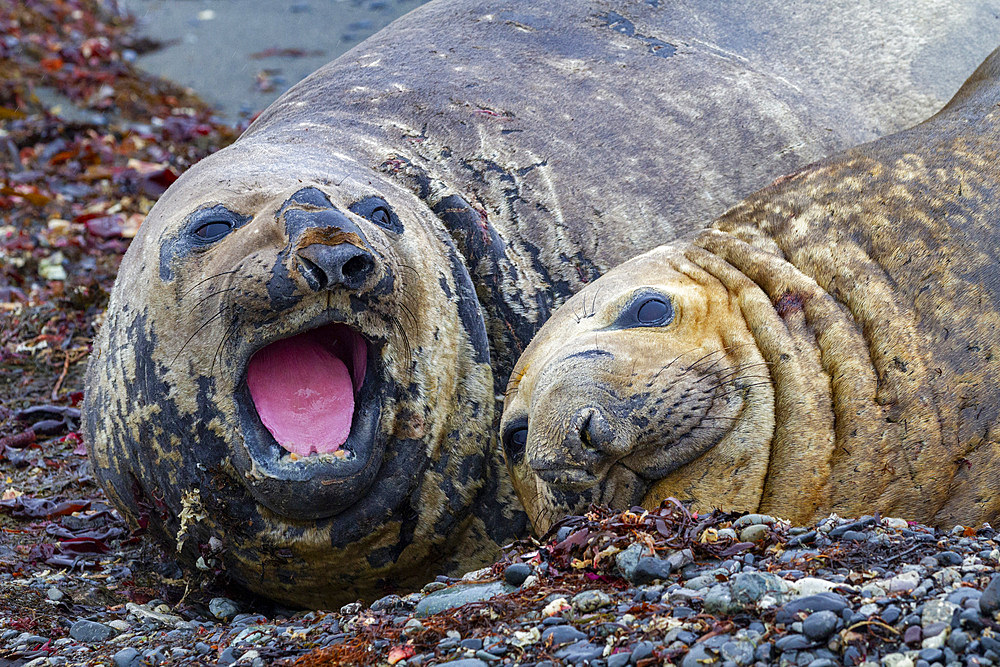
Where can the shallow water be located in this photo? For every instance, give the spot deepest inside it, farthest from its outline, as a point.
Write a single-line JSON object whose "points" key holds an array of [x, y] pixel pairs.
{"points": [[217, 47]]}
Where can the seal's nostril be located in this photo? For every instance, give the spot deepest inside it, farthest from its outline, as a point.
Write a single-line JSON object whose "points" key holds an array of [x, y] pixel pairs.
{"points": [[358, 268], [325, 266]]}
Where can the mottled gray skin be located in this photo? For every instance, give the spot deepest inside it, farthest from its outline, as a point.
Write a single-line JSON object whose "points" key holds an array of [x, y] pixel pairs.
{"points": [[522, 149]]}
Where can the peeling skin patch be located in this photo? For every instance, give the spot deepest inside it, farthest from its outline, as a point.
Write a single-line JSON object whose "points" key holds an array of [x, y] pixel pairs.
{"points": [[191, 513]]}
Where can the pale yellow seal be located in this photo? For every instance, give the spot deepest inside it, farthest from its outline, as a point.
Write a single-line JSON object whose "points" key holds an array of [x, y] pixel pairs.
{"points": [[830, 344]]}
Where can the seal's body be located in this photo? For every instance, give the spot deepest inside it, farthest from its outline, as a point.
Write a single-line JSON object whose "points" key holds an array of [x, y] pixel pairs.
{"points": [[306, 340], [830, 344]]}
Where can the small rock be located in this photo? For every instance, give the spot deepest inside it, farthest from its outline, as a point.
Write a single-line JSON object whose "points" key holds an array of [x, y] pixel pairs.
{"points": [[820, 624], [896, 660], [91, 632], [516, 573], [561, 634], [679, 559], [127, 657], [617, 660], [587, 601], [458, 595], [754, 520], [387, 603], [642, 650], [819, 602], [700, 656], [912, 635], [792, 642], [903, 582], [648, 570], [937, 611], [989, 602], [755, 533], [627, 560], [54, 594], [748, 588], [223, 608], [580, 652]]}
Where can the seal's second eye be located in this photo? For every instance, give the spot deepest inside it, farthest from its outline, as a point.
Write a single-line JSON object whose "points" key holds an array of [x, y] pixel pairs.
{"points": [[378, 211], [647, 310], [515, 437], [380, 216], [653, 311], [213, 230]]}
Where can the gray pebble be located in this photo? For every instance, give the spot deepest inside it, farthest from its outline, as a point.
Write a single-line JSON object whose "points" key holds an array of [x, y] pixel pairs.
{"points": [[989, 603], [617, 660], [818, 602], [820, 624], [580, 652], [387, 603], [700, 656], [792, 642], [561, 634], [228, 656], [127, 657], [648, 570], [739, 652], [588, 601], [516, 573], [641, 651], [90, 632], [223, 608]]}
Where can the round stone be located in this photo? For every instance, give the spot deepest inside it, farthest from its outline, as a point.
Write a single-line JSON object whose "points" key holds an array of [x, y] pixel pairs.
{"points": [[819, 625], [516, 573]]}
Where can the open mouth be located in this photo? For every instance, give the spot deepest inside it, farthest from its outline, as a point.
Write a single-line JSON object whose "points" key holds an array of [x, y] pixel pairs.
{"points": [[310, 409], [305, 388]]}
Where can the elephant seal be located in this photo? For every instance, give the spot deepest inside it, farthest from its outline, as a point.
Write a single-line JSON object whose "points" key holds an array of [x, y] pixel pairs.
{"points": [[298, 374], [827, 345]]}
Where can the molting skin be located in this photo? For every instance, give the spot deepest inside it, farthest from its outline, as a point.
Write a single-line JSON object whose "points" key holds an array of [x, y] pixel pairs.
{"points": [[827, 345], [304, 348]]}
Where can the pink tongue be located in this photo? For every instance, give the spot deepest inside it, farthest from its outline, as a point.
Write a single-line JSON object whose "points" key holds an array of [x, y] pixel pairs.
{"points": [[303, 394]]}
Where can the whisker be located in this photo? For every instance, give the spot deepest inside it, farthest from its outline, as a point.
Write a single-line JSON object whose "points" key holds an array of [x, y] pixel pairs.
{"points": [[197, 331], [204, 280], [703, 358]]}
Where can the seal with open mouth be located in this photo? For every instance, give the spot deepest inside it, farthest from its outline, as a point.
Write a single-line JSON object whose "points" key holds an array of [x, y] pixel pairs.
{"points": [[828, 345], [298, 372]]}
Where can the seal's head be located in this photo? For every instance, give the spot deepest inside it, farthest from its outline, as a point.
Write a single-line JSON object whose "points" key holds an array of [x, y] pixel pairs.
{"points": [[635, 376], [294, 363]]}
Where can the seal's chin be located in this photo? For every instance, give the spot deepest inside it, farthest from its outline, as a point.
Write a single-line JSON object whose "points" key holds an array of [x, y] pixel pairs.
{"points": [[305, 388], [309, 412]]}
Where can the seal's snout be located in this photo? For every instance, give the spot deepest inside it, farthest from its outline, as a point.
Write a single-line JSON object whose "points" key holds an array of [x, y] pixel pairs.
{"points": [[324, 266]]}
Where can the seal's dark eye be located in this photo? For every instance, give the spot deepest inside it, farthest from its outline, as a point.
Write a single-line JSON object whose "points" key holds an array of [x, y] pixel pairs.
{"points": [[649, 310], [378, 211], [208, 225], [381, 217], [515, 437], [213, 230], [653, 311]]}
